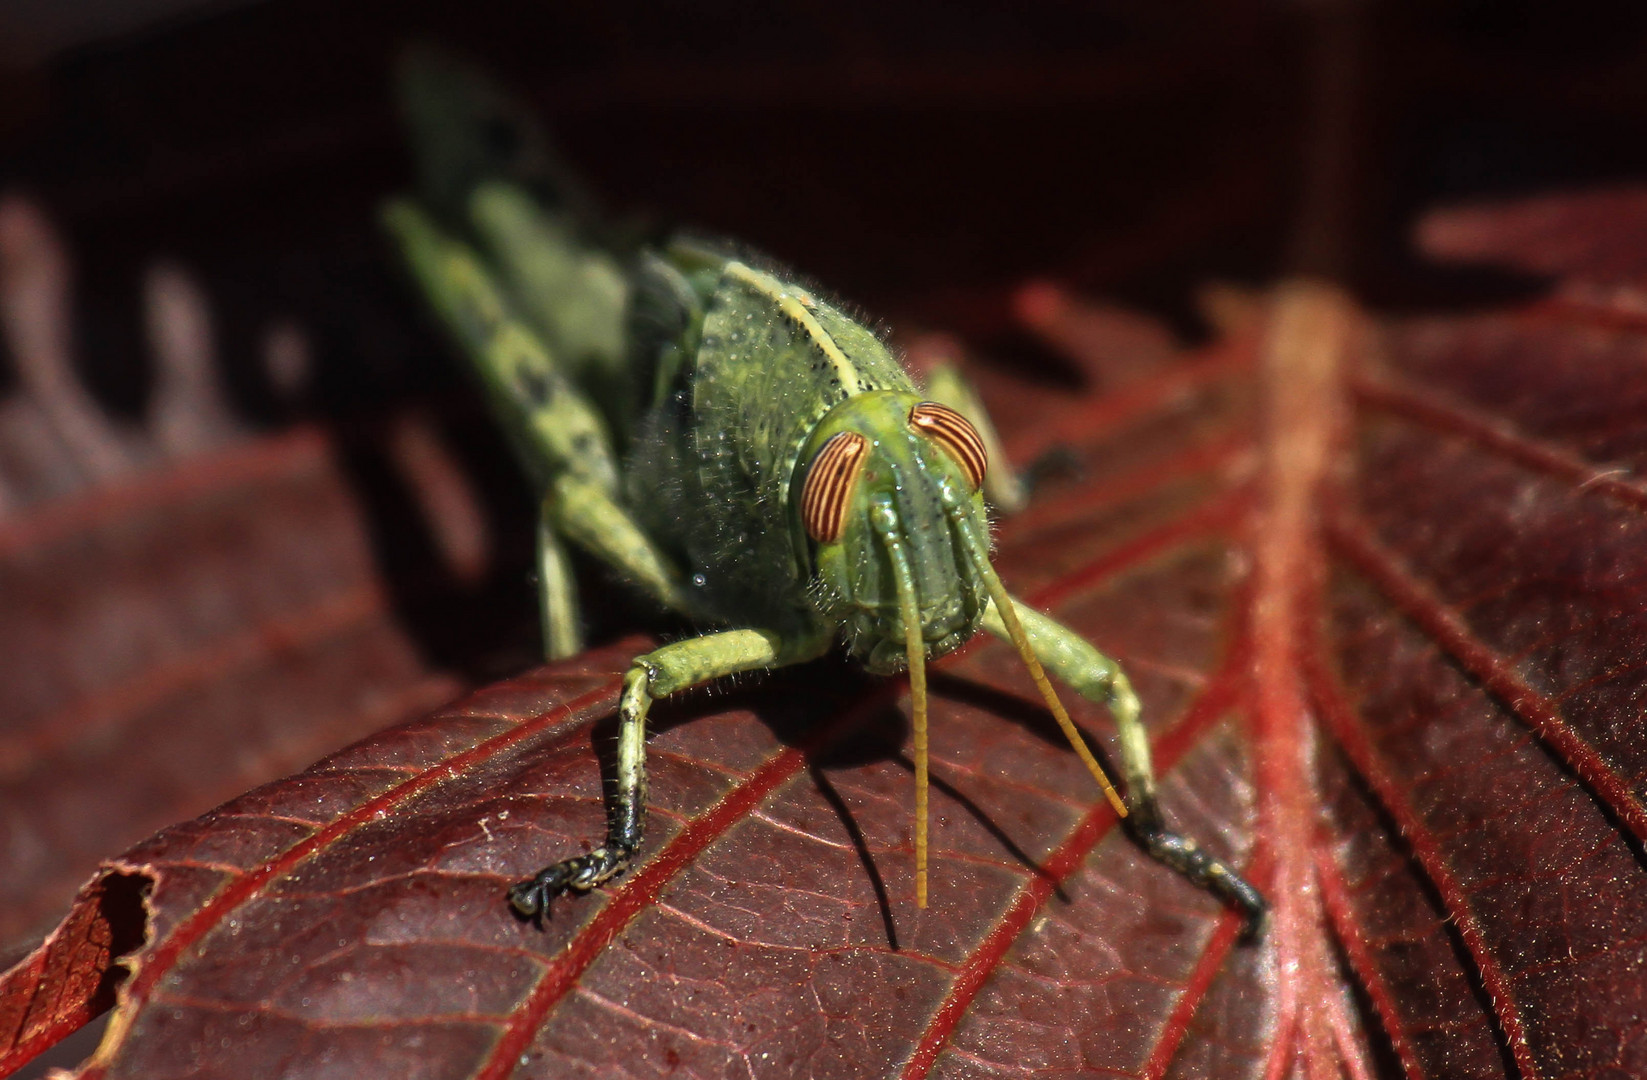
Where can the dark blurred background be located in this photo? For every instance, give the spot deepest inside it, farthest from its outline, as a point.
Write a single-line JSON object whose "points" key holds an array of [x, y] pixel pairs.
{"points": [[920, 158], [248, 509]]}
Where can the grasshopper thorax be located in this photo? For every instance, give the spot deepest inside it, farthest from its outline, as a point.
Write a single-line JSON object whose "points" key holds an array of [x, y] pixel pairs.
{"points": [[888, 485]]}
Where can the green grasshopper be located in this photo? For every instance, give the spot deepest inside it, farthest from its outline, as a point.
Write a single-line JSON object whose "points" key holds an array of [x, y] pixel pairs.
{"points": [[736, 448]]}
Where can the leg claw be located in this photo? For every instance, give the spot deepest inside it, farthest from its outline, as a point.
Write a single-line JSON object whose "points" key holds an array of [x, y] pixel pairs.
{"points": [[530, 898], [1210, 873]]}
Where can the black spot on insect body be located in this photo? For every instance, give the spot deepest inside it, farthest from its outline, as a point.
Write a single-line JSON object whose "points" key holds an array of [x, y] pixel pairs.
{"points": [[535, 387]]}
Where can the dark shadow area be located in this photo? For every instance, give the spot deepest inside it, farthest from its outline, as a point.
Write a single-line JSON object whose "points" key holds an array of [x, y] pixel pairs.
{"points": [[976, 812], [803, 706], [1032, 360], [113, 355], [861, 846], [9, 379], [1032, 716], [472, 630]]}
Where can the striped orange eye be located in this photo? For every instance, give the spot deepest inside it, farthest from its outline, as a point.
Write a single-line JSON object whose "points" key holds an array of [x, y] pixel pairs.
{"points": [[955, 434], [829, 482]]}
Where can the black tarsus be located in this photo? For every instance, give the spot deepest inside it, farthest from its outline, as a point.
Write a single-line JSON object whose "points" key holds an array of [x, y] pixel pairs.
{"points": [[1149, 831], [625, 821]]}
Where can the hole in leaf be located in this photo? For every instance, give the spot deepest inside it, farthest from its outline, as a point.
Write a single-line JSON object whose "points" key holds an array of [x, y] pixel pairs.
{"points": [[73, 977], [123, 911]]}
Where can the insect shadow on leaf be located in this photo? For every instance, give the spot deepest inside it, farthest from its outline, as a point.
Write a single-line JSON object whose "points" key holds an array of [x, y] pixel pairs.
{"points": [[989, 825], [860, 844]]}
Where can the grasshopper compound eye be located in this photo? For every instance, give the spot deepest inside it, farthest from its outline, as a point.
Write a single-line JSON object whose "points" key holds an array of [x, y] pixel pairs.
{"points": [[829, 482], [952, 431]]}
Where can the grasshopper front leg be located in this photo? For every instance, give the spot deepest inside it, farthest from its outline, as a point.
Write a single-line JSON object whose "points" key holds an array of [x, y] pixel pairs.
{"points": [[1098, 678], [654, 675]]}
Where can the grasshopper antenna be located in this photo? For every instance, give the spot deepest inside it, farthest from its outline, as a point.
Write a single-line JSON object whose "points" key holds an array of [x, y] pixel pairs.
{"points": [[977, 549], [886, 524]]}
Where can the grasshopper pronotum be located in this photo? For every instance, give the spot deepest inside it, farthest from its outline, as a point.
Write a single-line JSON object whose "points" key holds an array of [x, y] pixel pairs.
{"points": [[781, 476]]}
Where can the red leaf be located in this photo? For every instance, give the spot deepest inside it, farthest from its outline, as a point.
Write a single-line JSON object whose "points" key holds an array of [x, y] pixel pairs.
{"points": [[172, 641], [1380, 585]]}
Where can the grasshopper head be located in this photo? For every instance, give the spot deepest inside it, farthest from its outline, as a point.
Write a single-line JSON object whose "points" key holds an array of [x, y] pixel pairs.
{"points": [[888, 489], [890, 510]]}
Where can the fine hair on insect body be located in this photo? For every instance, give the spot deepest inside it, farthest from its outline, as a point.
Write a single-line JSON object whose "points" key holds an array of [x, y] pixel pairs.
{"points": [[735, 447]]}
